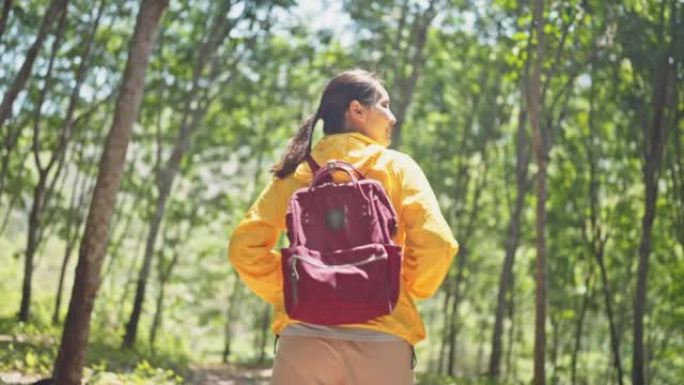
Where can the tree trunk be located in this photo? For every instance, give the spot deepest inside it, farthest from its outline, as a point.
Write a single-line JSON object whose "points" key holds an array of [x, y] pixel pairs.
{"points": [[445, 309], [127, 212], [614, 337], [540, 150], [263, 332], [408, 86], [588, 294], [71, 356], [130, 272], [39, 190], [456, 301], [468, 230], [594, 236], [511, 330], [164, 277], [73, 231], [555, 331], [46, 180], [13, 200], [452, 281], [654, 137], [236, 292], [157, 319], [191, 121], [31, 246], [401, 27], [67, 129], [522, 185], [12, 137], [459, 280], [233, 304], [481, 342], [56, 8], [4, 15]]}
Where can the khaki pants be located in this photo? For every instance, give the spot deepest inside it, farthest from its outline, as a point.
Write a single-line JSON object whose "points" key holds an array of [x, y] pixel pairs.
{"points": [[329, 361]]}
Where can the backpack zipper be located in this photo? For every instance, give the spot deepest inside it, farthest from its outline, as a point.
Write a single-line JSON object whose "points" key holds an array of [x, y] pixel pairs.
{"points": [[294, 275], [372, 258]]}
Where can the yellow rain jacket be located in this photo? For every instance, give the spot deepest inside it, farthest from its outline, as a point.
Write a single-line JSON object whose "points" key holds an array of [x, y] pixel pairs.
{"points": [[427, 242]]}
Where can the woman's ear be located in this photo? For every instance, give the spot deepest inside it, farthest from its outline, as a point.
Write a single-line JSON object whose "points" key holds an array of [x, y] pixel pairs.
{"points": [[356, 113]]}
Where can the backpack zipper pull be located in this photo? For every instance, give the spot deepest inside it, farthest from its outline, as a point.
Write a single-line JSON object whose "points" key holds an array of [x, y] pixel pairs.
{"points": [[293, 269], [294, 277]]}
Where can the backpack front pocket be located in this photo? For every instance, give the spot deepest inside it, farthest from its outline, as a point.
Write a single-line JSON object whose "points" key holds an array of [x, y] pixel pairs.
{"points": [[347, 286]]}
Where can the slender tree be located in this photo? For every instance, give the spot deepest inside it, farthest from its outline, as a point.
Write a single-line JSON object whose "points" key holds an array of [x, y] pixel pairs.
{"points": [[71, 356], [513, 238], [654, 136], [40, 192], [4, 15], [52, 14], [539, 144], [407, 84], [594, 232], [192, 119]]}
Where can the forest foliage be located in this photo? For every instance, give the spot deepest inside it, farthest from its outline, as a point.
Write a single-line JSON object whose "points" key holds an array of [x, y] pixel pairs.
{"points": [[228, 83]]}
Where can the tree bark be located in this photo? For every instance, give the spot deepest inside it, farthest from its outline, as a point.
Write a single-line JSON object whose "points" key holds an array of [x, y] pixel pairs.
{"points": [[191, 121], [594, 236], [52, 13], [236, 292], [511, 330], [579, 326], [159, 309], [125, 211], [451, 284], [157, 319], [540, 150], [42, 191], [445, 309], [654, 138], [522, 185], [263, 331], [15, 197], [233, 304], [71, 356], [4, 15], [468, 230], [164, 274], [456, 301], [555, 326], [73, 231]]}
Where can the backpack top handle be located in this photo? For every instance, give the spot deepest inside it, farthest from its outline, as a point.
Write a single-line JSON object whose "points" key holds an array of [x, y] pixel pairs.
{"points": [[324, 174]]}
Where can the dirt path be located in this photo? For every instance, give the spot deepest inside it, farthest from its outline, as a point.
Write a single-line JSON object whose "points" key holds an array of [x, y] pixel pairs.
{"points": [[17, 378], [208, 375], [229, 375]]}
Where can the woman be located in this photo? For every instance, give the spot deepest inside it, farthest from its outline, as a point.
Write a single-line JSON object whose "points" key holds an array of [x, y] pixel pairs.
{"points": [[357, 123]]}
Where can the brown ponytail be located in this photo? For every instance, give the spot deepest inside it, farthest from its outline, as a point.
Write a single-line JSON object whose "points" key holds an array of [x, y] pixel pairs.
{"points": [[341, 90], [297, 149]]}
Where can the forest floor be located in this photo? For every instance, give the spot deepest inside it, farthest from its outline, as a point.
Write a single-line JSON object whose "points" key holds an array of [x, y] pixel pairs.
{"points": [[208, 375], [25, 355], [229, 375]]}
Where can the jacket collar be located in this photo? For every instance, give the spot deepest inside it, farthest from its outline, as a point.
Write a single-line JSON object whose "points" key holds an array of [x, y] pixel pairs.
{"points": [[352, 147]]}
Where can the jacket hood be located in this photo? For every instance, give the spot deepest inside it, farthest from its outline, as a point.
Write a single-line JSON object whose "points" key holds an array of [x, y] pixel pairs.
{"points": [[352, 147]]}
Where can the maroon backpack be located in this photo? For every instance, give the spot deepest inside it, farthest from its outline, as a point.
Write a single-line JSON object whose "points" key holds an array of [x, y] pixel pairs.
{"points": [[342, 266]]}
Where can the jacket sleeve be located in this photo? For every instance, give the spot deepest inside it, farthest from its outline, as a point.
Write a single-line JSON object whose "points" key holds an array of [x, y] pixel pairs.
{"points": [[430, 247], [251, 245]]}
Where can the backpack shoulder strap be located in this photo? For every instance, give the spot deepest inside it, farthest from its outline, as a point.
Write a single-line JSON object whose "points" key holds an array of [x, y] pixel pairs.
{"points": [[312, 163]]}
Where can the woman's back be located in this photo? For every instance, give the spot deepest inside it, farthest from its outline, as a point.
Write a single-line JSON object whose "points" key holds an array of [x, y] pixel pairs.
{"points": [[422, 232], [357, 125]]}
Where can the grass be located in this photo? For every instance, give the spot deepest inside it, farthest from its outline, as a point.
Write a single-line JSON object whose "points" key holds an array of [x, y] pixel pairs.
{"points": [[31, 348]]}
